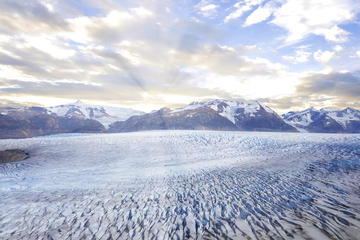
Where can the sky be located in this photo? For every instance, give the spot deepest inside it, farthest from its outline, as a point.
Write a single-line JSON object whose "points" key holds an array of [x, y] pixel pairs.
{"points": [[289, 54]]}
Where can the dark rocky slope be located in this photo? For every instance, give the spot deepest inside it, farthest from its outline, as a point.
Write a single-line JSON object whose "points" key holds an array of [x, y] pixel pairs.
{"points": [[35, 121], [211, 115], [199, 119]]}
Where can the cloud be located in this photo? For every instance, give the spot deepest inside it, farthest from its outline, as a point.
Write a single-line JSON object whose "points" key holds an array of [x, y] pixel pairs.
{"points": [[226, 60], [29, 17], [288, 102], [301, 102], [143, 52], [128, 55], [242, 7], [301, 56], [340, 85], [112, 27], [8, 103], [335, 89], [141, 12], [338, 48], [323, 56], [206, 8], [260, 14], [302, 18]]}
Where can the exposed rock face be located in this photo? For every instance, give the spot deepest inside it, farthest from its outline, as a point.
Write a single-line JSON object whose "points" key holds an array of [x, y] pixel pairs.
{"points": [[35, 121], [12, 155], [211, 115], [200, 119], [325, 120], [261, 120]]}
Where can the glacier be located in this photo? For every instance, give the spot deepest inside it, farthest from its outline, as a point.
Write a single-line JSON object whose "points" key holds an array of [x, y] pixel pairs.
{"points": [[182, 185]]}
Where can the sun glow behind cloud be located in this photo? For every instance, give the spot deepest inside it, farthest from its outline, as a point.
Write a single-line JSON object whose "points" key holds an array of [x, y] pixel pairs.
{"points": [[149, 54]]}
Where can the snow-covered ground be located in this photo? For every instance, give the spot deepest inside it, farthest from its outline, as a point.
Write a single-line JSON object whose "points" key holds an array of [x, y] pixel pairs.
{"points": [[182, 184]]}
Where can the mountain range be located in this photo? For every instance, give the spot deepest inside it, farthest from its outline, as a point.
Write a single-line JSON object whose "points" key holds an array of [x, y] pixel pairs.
{"points": [[212, 115], [35, 121], [103, 114], [325, 120], [218, 114]]}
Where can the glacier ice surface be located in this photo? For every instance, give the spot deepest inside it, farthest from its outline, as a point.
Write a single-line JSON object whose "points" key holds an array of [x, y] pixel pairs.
{"points": [[182, 184]]}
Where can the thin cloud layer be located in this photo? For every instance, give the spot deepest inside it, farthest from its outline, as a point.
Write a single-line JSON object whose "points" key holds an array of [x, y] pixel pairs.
{"points": [[341, 85]]}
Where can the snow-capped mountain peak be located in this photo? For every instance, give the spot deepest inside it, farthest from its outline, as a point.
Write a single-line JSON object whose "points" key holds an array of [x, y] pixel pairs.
{"points": [[104, 114], [230, 109], [325, 119], [300, 118]]}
